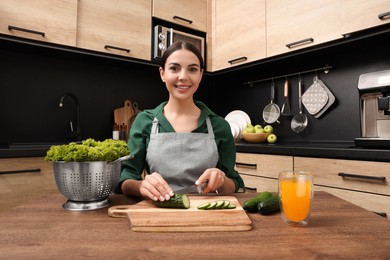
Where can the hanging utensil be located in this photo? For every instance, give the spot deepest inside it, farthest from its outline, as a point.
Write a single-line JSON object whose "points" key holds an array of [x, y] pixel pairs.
{"points": [[331, 99], [286, 111], [299, 121], [315, 97], [271, 111]]}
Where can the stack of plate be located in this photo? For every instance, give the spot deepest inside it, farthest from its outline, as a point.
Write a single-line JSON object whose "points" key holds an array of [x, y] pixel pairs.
{"points": [[237, 120]]}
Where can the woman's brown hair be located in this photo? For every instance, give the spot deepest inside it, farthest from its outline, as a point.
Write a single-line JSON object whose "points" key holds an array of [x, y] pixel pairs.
{"points": [[178, 46]]}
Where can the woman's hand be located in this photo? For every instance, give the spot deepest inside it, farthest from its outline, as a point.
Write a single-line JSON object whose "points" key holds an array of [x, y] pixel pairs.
{"points": [[217, 181], [155, 187]]}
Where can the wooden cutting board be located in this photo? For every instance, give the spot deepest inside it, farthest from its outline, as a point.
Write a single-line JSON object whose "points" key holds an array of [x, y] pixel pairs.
{"points": [[122, 115], [146, 217]]}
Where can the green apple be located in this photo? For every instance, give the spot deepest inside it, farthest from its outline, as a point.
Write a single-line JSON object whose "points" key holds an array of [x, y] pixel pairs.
{"points": [[271, 139], [257, 127], [249, 128], [268, 129], [259, 130]]}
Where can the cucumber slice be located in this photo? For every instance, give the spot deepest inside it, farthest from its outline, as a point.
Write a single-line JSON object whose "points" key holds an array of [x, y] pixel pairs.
{"points": [[226, 204], [231, 206], [204, 205], [212, 205], [220, 204]]}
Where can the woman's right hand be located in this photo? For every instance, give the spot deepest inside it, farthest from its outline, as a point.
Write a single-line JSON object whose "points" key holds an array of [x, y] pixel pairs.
{"points": [[155, 187]]}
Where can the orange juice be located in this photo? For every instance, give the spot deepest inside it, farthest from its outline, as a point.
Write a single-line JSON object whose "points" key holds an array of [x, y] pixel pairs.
{"points": [[295, 193]]}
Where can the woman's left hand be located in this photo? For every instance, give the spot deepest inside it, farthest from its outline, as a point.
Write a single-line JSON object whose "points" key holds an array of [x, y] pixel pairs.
{"points": [[216, 179]]}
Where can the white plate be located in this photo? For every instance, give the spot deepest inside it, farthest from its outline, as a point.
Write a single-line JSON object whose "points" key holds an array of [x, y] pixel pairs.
{"points": [[235, 130], [241, 114], [240, 121]]}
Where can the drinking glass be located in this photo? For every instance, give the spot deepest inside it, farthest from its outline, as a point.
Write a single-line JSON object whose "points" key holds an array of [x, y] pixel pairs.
{"points": [[296, 194]]}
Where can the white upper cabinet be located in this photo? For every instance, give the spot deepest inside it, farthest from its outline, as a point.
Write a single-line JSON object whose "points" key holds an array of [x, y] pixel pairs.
{"points": [[119, 27], [192, 14], [51, 21], [293, 25], [238, 32], [358, 15]]}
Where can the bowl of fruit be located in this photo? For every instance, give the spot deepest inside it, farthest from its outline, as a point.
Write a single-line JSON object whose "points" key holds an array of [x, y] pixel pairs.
{"points": [[259, 134]]}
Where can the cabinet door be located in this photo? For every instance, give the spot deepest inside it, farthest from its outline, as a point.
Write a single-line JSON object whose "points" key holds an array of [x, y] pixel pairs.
{"points": [[360, 182], [293, 25], [261, 171], [347, 174], [118, 27], [362, 14], [51, 21], [192, 14], [18, 188], [238, 33]]}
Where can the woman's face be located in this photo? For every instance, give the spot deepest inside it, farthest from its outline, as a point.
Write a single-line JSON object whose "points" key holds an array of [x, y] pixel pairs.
{"points": [[182, 74]]}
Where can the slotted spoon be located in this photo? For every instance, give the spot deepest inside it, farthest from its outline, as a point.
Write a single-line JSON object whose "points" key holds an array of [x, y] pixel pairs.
{"points": [[299, 121]]}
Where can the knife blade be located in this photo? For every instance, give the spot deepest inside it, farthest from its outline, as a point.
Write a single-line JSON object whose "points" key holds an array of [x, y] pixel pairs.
{"points": [[192, 189]]}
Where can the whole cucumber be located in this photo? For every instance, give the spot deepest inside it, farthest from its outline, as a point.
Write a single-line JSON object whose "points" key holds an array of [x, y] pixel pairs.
{"points": [[269, 206], [250, 205], [179, 201]]}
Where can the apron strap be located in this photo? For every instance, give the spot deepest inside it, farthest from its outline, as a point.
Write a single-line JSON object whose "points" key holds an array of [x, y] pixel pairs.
{"points": [[209, 127], [154, 126]]}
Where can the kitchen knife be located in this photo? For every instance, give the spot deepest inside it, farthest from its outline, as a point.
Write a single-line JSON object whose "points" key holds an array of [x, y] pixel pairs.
{"points": [[192, 189]]}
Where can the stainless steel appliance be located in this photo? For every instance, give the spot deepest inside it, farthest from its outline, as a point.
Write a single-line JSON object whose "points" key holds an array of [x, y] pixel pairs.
{"points": [[374, 92], [163, 37]]}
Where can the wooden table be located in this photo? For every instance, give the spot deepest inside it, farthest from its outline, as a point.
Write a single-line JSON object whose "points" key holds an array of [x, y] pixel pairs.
{"points": [[42, 229]]}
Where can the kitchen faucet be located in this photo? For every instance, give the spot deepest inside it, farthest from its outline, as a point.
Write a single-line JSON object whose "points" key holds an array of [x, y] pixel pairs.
{"points": [[74, 134]]}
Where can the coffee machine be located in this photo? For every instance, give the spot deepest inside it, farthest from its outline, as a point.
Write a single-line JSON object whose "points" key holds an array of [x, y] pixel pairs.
{"points": [[374, 92]]}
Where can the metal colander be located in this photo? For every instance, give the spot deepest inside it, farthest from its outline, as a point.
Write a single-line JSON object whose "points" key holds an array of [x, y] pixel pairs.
{"points": [[87, 185]]}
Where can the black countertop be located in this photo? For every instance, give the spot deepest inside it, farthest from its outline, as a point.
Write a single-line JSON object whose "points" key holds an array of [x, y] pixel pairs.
{"points": [[17, 150], [335, 150]]}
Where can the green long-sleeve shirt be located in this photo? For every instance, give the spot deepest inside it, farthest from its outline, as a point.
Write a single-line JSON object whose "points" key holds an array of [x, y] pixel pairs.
{"points": [[140, 135]]}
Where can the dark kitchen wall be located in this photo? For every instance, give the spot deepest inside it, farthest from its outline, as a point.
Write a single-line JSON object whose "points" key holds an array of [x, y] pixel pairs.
{"points": [[33, 79], [341, 123]]}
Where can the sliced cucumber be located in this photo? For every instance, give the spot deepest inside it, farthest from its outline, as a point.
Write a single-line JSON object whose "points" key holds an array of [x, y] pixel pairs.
{"points": [[220, 204], [204, 205], [217, 204], [212, 205], [231, 206], [226, 204]]}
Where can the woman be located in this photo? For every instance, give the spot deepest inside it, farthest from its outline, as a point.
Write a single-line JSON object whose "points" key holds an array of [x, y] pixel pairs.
{"points": [[181, 142]]}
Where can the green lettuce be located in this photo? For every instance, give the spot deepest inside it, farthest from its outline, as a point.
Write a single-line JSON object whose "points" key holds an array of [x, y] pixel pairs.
{"points": [[88, 150]]}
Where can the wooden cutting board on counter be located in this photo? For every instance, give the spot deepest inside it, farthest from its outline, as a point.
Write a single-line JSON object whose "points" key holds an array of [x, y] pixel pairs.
{"points": [[122, 115], [146, 217]]}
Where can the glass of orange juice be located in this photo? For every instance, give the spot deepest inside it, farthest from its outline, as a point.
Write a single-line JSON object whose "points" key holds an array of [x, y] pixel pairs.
{"points": [[296, 194]]}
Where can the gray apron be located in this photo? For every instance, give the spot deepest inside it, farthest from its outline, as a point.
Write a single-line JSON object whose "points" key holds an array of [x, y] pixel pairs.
{"points": [[181, 158]]}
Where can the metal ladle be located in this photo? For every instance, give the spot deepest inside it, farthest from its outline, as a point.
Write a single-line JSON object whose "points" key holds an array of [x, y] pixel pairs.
{"points": [[299, 121]]}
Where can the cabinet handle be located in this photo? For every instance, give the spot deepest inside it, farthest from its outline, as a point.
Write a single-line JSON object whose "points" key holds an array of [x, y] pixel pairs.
{"points": [[116, 48], [374, 178], [21, 171], [182, 19], [383, 16], [293, 44], [247, 165], [251, 188], [10, 27], [241, 59]]}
